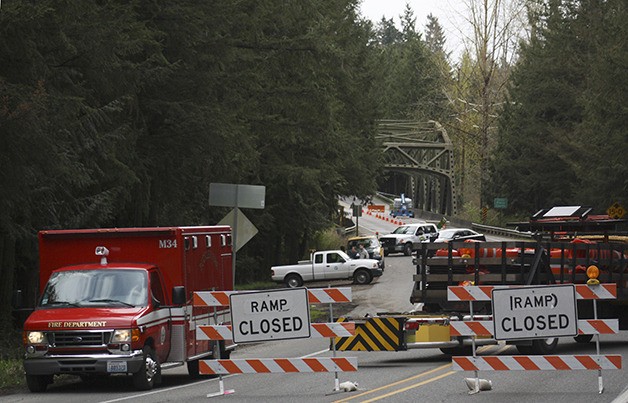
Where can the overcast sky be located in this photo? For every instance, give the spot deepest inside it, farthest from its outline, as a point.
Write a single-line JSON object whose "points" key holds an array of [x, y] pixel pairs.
{"points": [[450, 14]]}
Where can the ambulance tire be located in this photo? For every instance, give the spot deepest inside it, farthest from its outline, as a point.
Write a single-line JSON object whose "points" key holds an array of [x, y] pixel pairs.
{"points": [[149, 374], [583, 338], [193, 365], [224, 353], [193, 370], [38, 383]]}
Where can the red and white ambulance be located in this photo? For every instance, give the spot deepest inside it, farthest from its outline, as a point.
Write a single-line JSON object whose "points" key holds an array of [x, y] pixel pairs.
{"points": [[119, 301]]}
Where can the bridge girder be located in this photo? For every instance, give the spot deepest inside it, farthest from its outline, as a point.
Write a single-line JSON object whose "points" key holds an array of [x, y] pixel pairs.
{"points": [[424, 152]]}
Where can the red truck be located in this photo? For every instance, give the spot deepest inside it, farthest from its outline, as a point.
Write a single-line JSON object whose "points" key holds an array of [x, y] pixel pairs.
{"points": [[118, 301]]}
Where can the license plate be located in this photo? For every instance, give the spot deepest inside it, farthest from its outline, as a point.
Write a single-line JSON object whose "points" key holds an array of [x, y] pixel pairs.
{"points": [[116, 366]]}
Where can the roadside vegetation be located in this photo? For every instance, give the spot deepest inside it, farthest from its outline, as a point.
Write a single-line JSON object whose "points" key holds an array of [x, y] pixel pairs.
{"points": [[11, 370]]}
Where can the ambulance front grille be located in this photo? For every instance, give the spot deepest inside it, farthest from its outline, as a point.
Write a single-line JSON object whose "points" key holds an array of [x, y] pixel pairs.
{"points": [[79, 338]]}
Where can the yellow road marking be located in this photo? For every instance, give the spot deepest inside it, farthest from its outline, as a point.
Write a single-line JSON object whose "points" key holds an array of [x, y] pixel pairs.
{"points": [[421, 375], [446, 374]]}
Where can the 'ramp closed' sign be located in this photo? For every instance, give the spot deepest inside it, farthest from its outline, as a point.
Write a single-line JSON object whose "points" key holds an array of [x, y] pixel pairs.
{"points": [[270, 315], [535, 312]]}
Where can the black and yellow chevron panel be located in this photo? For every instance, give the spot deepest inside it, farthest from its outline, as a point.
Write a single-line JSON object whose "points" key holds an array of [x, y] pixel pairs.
{"points": [[374, 334]]}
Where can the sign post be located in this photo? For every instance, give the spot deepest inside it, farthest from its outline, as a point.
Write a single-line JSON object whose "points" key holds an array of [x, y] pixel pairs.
{"points": [[237, 196]]}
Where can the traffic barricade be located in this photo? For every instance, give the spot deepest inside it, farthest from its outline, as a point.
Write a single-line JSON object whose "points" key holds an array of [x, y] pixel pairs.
{"points": [[268, 325], [534, 297]]}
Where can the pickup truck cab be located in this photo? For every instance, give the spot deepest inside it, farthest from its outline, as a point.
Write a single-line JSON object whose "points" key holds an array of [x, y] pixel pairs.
{"points": [[327, 265], [408, 238]]}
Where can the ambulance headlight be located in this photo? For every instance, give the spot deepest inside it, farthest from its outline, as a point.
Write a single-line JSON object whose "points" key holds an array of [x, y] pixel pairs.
{"points": [[121, 336], [36, 338]]}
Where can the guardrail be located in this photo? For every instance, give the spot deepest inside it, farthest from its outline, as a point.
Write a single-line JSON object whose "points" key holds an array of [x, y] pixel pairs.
{"points": [[486, 229]]}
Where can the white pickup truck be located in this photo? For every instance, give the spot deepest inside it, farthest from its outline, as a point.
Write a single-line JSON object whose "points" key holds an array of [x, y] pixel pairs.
{"points": [[327, 265]]}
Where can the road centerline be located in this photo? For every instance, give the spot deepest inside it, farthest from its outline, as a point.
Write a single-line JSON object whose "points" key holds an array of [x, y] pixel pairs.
{"points": [[418, 376]]}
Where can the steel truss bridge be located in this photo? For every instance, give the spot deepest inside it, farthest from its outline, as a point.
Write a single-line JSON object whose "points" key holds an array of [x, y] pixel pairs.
{"points": [[423, 152]]}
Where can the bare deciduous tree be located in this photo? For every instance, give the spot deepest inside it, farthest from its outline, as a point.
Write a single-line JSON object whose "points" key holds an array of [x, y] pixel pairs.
{"points": [[491, 37]]}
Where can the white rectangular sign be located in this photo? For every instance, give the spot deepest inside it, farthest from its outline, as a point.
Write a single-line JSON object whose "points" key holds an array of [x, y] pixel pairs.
{"points": [[535, 312], [270, 315]]}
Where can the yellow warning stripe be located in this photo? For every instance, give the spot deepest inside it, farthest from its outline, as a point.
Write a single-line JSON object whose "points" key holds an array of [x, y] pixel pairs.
{"points": [[376, 334]]}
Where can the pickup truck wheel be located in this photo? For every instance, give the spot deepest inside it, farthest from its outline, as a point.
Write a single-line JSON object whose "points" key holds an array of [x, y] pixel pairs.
{"points": [[407, 249], [38, 383], [293, 281], [362, 276], [149, 373]]}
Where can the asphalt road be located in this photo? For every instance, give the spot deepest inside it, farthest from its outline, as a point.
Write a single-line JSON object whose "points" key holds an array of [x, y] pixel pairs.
{"points": [[422, 375]]}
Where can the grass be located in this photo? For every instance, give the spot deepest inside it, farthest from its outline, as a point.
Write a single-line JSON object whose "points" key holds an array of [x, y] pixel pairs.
{"points": [[11, 369], [11, 375], [258, 285]]}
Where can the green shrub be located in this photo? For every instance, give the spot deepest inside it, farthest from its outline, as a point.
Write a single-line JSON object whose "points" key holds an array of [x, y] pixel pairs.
{"points": [[329, 239], [11, 374]]}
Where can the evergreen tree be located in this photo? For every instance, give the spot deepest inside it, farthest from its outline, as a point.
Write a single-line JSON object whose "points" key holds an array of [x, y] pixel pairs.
{"points": [[566, 102], [435, 36]]}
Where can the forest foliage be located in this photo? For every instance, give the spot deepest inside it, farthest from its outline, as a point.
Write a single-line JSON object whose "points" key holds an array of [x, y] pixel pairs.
{"points": [[121, 113]]}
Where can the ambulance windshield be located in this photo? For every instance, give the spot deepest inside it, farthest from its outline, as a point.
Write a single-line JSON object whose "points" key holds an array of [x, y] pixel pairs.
{"points": [[89, 288]]}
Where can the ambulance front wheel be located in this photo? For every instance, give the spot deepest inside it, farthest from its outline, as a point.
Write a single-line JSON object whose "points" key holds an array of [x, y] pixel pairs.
{"points": [[38, 383], [149, 374]]}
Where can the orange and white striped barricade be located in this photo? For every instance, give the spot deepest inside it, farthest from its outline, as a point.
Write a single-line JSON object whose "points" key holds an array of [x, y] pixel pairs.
{"points": [[537, 363], [474, 328], [315, 296], [485, 327], [277, 365]]}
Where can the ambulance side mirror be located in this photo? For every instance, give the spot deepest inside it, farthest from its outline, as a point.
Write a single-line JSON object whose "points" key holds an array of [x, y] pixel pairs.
{"points": [[178, 295]]}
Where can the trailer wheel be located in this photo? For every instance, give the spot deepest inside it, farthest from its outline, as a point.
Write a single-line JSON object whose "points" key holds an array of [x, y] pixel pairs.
{"points": [[583, 338], [407, 249], [150, 373], [362, 277], [38, 383], [293, 281]]}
